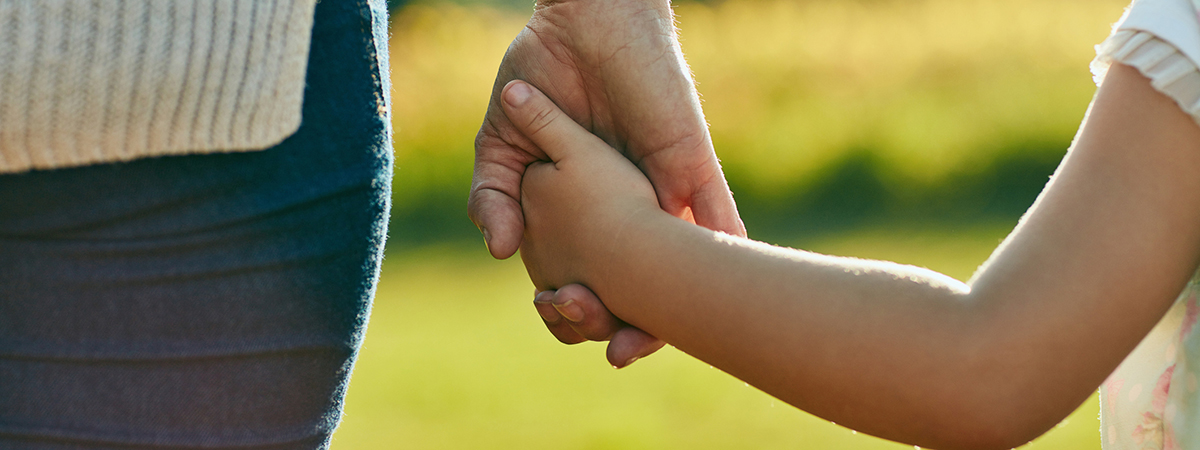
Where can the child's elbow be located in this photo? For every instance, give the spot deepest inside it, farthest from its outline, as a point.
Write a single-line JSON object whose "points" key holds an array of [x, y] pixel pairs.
{"points": [[966, 430], [993, 435], [998, 424]]}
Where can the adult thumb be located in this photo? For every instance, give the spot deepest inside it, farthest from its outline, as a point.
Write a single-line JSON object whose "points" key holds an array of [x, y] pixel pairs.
{"points": [[539, 119], [713, 208]]}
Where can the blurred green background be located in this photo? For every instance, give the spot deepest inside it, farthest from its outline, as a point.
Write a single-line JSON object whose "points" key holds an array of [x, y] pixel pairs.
{"points": [[911, 130]]}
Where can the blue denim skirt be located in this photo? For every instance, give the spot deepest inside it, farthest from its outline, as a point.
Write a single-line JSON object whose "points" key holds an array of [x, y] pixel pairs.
{"points": [[203, 301]]}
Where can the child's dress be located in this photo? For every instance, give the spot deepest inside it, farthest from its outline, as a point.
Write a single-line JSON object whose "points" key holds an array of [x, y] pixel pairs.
{"points": [[1152, 401]]}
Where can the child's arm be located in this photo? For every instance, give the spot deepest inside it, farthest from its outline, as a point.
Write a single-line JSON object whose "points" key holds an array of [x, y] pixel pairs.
{"points": [[892, 350]]}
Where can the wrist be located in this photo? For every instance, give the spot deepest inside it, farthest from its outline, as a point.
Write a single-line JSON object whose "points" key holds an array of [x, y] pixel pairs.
{"points": [[623, 250]]}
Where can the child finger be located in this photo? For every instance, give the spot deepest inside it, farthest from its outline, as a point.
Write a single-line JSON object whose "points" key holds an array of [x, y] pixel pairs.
{"points": [[586, 313], [542, 121]]}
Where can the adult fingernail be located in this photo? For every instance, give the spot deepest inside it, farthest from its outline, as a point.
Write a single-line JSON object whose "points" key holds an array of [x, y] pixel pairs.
{"points": [[487, 235], [627, 363], [570, 310], [518, 94]]}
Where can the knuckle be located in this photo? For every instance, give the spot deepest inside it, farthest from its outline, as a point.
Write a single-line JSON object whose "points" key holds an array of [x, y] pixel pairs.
{"points": [[541, 121]]}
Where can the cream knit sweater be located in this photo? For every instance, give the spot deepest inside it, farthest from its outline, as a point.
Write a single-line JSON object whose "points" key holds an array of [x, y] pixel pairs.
{"points": [[89, 81]]}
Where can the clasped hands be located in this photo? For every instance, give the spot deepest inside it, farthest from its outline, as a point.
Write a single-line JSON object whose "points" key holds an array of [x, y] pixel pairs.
{"points": [[608, 80]]}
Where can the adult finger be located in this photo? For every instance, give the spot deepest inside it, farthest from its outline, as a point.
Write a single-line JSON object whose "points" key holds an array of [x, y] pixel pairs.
{"points": [[493, 204], [539, 119], [694, 189], [592, 320], [499, 218], [630, 344], [558, 326], [713, 208], [586, 313]]}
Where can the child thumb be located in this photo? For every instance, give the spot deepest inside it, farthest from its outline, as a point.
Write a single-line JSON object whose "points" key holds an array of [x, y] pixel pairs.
{"points": [[539, 119]]}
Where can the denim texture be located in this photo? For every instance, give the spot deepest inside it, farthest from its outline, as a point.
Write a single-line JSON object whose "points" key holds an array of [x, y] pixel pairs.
{"points": [[203, 301]]}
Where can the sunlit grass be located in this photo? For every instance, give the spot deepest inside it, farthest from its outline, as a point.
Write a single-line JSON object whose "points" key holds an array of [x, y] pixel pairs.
{"points": [[456, 358], [928, 86], [443, 60]]}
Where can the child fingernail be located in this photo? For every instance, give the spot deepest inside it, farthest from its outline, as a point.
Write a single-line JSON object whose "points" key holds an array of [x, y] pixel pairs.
{"points": [[517, 94], [570, 310]]}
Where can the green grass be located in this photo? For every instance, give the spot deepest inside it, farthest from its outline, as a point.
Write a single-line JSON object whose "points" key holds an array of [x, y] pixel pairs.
{"points": [[456, 358]]}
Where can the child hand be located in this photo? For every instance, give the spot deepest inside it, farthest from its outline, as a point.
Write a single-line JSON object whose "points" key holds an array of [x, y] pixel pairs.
{"points": [[575, 206], [577, 200]]}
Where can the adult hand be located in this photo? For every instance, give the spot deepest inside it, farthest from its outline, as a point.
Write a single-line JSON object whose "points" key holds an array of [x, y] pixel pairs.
{"points": [[574, 314], [615, 67]]}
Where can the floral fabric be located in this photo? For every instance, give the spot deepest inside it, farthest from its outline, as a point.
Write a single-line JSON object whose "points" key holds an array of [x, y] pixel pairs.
{"points": [[1148, 402]]}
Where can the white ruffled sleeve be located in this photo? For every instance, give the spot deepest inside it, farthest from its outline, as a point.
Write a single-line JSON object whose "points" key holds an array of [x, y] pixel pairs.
{"points": [[1160, 38]]}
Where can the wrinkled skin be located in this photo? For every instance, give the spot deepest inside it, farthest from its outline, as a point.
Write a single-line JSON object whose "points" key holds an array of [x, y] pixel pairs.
{"points": [[615, 67]]}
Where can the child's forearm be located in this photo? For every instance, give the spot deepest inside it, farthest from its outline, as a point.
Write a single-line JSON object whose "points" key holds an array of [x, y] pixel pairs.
{"points": [[893, 350], [860, 343]]}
